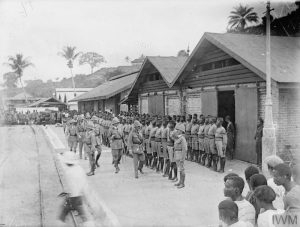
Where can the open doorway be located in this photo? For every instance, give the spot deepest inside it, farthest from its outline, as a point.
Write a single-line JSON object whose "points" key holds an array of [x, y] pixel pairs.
{"points": [[226, 106]]}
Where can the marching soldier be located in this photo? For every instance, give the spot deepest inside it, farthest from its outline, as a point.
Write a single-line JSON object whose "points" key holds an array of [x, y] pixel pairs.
{"points": [[72, 133], [115, 137], [98, 136], [90, 144], [194, 135], [188, 137], [180, 149], [212, 144], [135, 147], [127, 129], [221, 143]]}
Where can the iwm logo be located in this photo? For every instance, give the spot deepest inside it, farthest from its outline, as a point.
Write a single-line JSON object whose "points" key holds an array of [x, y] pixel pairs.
{"points": [[285, 220]]}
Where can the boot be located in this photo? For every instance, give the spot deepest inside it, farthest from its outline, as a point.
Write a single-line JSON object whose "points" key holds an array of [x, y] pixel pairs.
{"points": [[154, 163], [203, 159], [222, 165], [117, 168], [161, 164], [209, 160], [170, 171], [140, 168], [215, 162], [91, 173], [97, 158], [182, 179], [167, 170], [174, 179]]}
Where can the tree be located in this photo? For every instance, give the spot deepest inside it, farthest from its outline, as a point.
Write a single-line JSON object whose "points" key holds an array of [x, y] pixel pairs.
{"points": [[18, 63], [91, 58], [59, 97], [10, 79], [182, 53], [70, 55], [65, 99], [241, 16]]}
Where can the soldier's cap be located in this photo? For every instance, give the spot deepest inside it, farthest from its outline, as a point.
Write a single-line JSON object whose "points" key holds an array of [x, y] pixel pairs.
{"points": [[136, 123], [94, 118], [69, 157], [180, 128], [115, 120]]}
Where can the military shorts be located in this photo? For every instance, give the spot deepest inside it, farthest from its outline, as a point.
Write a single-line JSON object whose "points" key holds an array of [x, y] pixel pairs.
{"points": [[219, 146], [212, 146], [171, 153], [195, 145]]}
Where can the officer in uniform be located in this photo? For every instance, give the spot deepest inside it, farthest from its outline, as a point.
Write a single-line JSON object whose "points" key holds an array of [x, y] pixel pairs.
{"points": [[90, 147], [180, 149], [212, 144], [116, 143], [127, 129], [221, 143], [188, 138], [81, 133], [72, 133], [195, 145], [135, 147]]}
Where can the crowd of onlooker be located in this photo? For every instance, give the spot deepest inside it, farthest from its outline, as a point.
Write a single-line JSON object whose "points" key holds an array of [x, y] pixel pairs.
{"points": [[270, 202]]}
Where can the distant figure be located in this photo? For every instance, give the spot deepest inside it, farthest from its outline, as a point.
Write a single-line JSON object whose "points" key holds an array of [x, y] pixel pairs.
{"points": [[230, 137], [258, 137]]}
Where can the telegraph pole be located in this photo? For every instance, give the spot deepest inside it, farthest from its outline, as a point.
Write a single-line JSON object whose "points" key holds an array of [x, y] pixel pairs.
{"points": [[269, 139]]}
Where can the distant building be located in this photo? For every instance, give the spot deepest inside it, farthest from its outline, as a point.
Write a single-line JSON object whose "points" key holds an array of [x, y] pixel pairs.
{"points": [[66, 94], [138, 61], [19, 100]]}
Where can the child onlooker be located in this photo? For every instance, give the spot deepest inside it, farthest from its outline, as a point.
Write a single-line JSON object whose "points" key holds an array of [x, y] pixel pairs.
{"points": [[228, 215], [264, 197]]}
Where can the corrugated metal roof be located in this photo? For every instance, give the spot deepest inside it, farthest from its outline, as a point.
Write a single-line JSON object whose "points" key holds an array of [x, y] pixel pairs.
{"points": [[250, 51], [168, 67], [108, 89]]}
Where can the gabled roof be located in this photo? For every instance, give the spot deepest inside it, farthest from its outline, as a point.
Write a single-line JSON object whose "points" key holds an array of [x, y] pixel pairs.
{"points": [[47, 102], [250, 50], [21, 96], [109, 88]]}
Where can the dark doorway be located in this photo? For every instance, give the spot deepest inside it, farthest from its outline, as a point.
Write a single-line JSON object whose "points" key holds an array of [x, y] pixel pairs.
{"points": [[226, 106]]}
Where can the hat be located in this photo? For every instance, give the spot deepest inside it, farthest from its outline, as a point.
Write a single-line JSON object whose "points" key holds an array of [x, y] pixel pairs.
{"points": [[136, 123], [87, 115], [273, 160], [181, 128], [94, 118], [89, 126], [69, 158], [115, 120]]}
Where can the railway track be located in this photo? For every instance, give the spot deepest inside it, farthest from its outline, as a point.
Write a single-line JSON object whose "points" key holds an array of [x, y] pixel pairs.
{"points": [[74, 220]]}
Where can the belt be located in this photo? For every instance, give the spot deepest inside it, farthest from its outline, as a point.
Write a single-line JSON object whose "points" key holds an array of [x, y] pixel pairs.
{"points": [[137, 143], [73, 135], [188, 133], [164, 139], [178, 150], [157, 139], [117, 138], [152, 138], [201, 137], [170, 145], [126, 133], [211, 137]]}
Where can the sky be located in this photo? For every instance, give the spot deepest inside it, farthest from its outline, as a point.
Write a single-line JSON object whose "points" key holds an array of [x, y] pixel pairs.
{"points": [[39, 29]]}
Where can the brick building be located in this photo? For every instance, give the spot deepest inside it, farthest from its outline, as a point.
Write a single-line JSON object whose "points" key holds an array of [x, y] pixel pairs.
{"points": [[152, 90], [108, 95], [226, 75]]}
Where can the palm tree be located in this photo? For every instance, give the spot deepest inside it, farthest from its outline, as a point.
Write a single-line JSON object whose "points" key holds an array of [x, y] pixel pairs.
{"points": [[69, 54], [18, 63], [241, 16]]}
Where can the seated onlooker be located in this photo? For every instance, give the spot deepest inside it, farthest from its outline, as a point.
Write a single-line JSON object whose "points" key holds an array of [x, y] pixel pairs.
{"points": [[283, 176], [228, 215], [271, 162], [229, 175], [249, 172], [234, 187], [264, 197]]}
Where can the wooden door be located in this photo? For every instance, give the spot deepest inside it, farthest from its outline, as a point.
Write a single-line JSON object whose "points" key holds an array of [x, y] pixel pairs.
{"points": [[159, 105], [209, 103], [151, 105], [246, 121]]}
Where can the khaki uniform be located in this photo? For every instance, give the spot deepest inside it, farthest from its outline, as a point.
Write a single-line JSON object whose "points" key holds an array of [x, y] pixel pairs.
{"points": [[206, 139], [211, 135], [72, 133], [135, 145], [221, 141], [81, 134], [164, 142], [201, 137], [90, 148], [116, 143]]}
